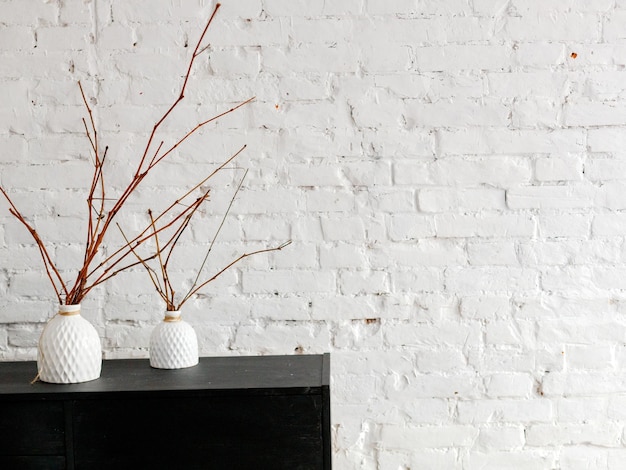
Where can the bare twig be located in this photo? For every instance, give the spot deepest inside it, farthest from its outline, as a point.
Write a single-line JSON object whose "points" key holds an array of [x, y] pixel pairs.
{"points": [[99, 220], [232, 263]]}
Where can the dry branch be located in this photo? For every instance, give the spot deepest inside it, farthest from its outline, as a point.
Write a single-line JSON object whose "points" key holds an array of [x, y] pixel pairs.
{"points": [[92, 272], [164, 252]]}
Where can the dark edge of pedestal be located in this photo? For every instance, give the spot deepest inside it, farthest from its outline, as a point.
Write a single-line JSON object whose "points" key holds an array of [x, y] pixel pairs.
{"points": [[326, 423], [166, 382]]}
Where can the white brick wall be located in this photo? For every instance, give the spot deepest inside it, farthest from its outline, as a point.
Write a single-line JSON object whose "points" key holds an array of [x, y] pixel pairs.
{"points": [[452, 175]]}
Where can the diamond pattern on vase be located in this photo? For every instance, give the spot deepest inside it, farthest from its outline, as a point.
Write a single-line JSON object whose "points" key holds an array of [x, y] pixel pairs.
{"points": [[173, 345], [69, 351]]}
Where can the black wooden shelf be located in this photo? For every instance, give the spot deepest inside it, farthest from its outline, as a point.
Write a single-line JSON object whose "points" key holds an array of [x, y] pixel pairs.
{"points": [[265, 412]]}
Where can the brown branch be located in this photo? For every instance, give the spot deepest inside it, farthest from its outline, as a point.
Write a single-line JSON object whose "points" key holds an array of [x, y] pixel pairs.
{"points": [[88, 276], [110, 258], [166, 281], [232, 263], [153, 275], [217, 232], [47, 260], [198, 126], [182, 90]]}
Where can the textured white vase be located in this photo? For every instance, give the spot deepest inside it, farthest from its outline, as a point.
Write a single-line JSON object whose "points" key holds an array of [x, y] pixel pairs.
{"points": [[173, 344], [69, 349]]}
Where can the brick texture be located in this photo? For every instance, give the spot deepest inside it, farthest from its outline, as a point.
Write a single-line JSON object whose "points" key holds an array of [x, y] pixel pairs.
{"points": [[451, 174]]}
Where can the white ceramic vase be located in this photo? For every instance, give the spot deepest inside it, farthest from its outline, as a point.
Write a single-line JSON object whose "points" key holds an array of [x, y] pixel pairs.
{"points": [[69, 349], [173, 343]]}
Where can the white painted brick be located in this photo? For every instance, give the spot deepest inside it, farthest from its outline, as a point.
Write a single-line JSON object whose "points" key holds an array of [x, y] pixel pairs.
{"points": [[74, 37], [485, 307], [363, 282], [616, 458], [546, 197], [393, 201], [541, 435], [584, 457], [510, 386], [582, 409], [509, 332], [431, 252], [444, 199], [450, 173], [446, 333], [501, 360], [23, 336], [528, 8], [564, 26], [593, 113], [604, 169], [16, 38], [547, 253], [589, 357], [505, 411], [342, 308], [4, 336], [395, 57], [399, 142], [19, 309], [444, 360], [606, 140], [559, 331], [568, 225], [283, 339], [455, 58], [612, 195], [400, 437], [533, 113], [497, 142], [456, 113], [492, 253], [484, 226], [539, 55], [558, 169], [520, 460], [339, 58], [417, 280], [418, 459], [493, 171], [410, 227], [500, 438], [305, 281], [606, 85], [343, 228], [323, 200], [29, 12], [526, 84], [341, 256], [430, 85]]}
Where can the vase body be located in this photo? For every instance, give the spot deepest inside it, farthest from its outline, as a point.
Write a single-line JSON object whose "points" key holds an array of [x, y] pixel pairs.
{"points": [[173, 344], [69, 349]]}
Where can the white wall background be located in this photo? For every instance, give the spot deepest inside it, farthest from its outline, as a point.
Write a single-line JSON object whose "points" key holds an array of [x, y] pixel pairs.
{"points": [[452, 174]]}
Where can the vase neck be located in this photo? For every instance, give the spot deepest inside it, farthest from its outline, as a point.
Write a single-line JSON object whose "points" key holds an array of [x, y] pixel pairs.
{"points": [[69, 310], [172, 316]]}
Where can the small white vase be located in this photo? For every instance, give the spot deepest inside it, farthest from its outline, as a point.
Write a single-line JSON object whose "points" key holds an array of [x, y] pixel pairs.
{"points": [[173, 343], [69, 349]]}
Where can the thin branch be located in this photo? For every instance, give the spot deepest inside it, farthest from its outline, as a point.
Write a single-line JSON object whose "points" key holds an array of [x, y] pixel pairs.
{"points": [[153, 275], [121, 250], [198, 126], [166, 281], [232, 263], [182, 90], [47, 260], [217, 232]]}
